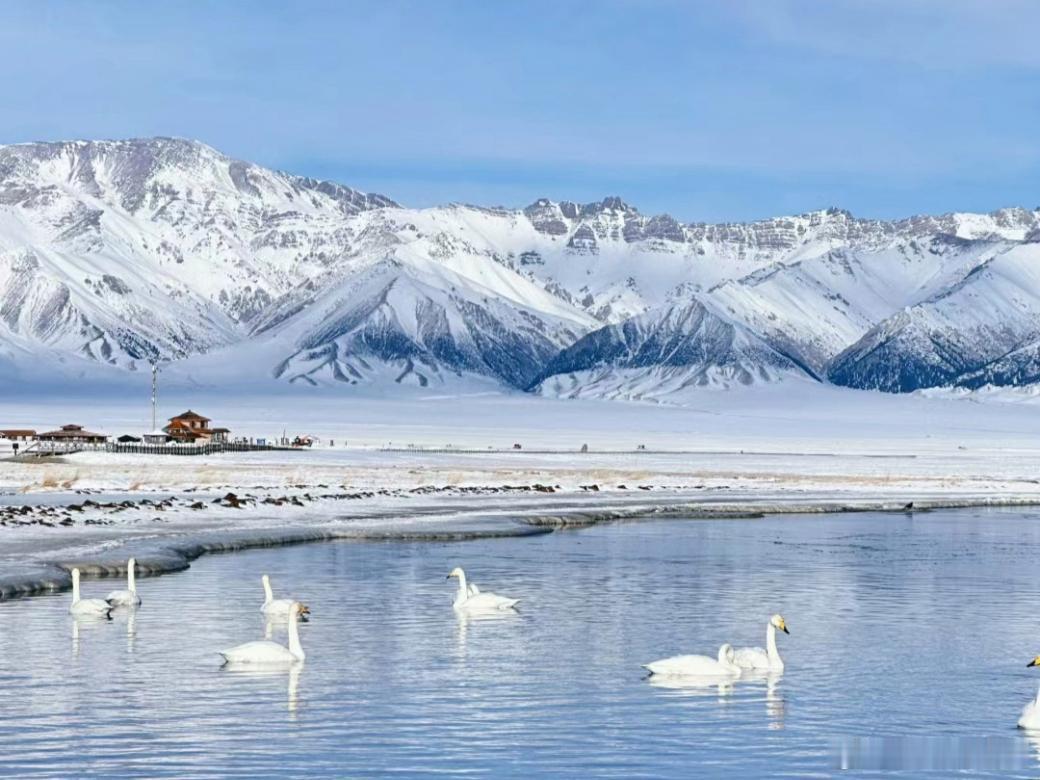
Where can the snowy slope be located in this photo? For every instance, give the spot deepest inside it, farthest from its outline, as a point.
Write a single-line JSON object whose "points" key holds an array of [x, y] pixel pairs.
{"points": [[993, 311], [663, 352], [815, 308], [419, 321]]}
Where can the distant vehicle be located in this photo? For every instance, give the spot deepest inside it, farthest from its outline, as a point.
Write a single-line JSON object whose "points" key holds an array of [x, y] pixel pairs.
{"points": [[517, 447], [303, 441]]}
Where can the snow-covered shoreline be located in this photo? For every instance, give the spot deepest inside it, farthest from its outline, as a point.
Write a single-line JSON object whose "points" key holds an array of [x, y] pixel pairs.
{"points": [[444, 468], [165, 534]]}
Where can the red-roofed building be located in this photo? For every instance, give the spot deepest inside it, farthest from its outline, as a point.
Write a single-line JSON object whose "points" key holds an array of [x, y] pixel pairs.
{"points": [[190, 427]]}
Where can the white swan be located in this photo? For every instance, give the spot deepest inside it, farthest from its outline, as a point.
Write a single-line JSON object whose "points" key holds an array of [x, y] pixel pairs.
{"points": [[699, 666], [768, 659], [1030, 718], [278, 608], [128, 597], [267, 653], [87, 607], [470, 597]]}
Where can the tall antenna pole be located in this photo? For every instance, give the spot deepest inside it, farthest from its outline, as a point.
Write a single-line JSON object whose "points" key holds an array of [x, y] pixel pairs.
{"points": [[155, 390]]}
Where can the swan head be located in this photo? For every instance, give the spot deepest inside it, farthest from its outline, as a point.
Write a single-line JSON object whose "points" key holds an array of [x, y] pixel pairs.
{"points": [[1034, 662], [778, 622], [297, 609], [456, 572], [265, 579], [131, 563], [304, 609], [726, 654]]}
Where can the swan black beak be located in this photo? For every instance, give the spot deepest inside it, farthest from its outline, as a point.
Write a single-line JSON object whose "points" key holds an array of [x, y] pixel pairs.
{"points": [[1033, 663], [786, 631]]}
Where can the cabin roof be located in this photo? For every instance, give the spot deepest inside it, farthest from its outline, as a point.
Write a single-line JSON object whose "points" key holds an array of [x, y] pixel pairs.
{"points": [[72, 432], [189, 415]]}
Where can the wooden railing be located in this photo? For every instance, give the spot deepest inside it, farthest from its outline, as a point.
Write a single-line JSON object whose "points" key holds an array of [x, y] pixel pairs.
{"points": [[190, 449]]}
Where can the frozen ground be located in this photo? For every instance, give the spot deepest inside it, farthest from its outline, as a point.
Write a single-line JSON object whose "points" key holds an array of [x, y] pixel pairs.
{"points": [[750, 451]]}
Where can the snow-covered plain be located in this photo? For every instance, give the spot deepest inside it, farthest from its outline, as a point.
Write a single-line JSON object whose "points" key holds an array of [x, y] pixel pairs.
{"points": [[445, 466]]}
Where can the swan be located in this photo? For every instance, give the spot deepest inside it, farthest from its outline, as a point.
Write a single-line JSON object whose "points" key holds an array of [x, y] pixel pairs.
{"points": [[278, 608], [128, 597], [470, 597], [699, 666], [1030, 718], [267, 653], [756, 657], [87, 607]]}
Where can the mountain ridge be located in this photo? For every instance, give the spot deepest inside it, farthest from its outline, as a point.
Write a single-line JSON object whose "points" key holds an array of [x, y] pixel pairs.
{"points": [[118, 253]]}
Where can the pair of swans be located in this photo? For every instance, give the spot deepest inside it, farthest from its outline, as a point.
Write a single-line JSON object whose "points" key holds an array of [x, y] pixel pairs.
{"points": [[102, 608], [470, 598], [265, 652], [729, 663]]}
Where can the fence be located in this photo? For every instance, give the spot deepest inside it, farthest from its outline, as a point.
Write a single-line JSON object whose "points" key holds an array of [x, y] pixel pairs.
{"points": [[190, 449]]}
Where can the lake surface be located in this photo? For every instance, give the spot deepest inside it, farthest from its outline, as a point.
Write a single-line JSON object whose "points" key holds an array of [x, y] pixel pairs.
{"points": [[910, 636]]}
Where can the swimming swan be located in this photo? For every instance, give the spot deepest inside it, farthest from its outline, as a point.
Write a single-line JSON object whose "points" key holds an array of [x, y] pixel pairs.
{"points": [[87, 607], [128, 597], [267, 653], [696, 665], [1031, 712], [278, 608], [756, 657], [470, 597]]}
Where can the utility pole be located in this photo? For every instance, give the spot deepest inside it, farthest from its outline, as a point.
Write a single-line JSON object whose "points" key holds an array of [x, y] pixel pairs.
{"points": [[155, 391]]}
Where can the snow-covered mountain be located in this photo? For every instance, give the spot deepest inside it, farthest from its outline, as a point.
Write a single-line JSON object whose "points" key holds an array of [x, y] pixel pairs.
{"points": [[114, 253], [664, 352]]}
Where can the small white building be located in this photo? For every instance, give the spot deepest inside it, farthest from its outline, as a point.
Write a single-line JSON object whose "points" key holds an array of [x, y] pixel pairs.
{"points": [[158, 436]]}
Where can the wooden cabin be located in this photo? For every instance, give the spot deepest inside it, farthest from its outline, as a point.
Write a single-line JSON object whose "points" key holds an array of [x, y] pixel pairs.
{"points": [[73, 434], [191, 427]]}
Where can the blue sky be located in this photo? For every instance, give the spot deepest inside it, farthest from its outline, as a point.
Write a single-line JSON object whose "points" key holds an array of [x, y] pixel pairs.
{"points": [[707, 110]]}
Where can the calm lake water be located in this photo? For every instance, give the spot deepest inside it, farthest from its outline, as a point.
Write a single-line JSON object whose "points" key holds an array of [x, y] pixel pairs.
{"points": [[909, 640]]}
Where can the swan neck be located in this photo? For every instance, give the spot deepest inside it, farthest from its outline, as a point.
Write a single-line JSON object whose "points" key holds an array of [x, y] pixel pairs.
{"points": [[268, 593], [463, 589], [75, 589], [771, 650], [294, 636], [131, 581]]}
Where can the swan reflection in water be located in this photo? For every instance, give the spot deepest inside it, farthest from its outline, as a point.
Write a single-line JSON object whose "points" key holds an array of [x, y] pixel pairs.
{"points": [[695, 686], [291, 673], [85, 624], [131, 629], [776, 707], [464, 619]]}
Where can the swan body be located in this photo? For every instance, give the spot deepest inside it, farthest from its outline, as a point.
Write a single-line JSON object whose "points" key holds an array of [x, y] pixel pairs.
{"points": [[768, 659], [267, 653], [471, 599], [278, 608], [87, 607], [1030, 718], [699, 666], [128, 597]]}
